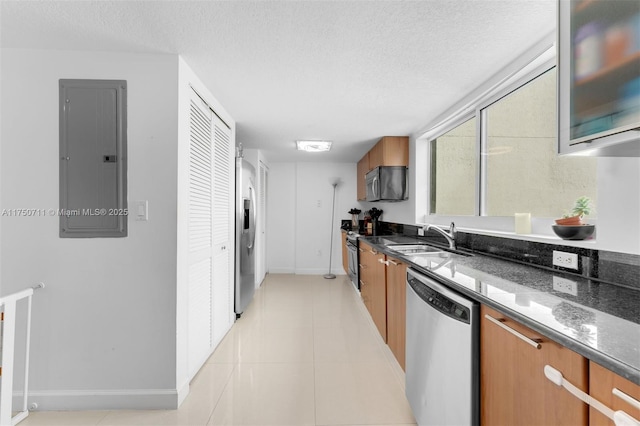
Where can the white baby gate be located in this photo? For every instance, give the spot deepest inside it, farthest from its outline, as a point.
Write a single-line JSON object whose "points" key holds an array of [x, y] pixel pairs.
{"points": [[7, 349]]}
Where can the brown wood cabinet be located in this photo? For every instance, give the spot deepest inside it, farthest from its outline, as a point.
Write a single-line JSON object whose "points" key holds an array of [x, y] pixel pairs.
{"points": [[373, 286], [389, 151], [514, 389], [396, 308], [601, 385], [345, 253], [363, 168]]}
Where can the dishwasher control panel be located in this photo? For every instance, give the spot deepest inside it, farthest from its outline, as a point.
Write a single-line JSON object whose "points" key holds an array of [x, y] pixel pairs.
{"points": [[440, 302]]}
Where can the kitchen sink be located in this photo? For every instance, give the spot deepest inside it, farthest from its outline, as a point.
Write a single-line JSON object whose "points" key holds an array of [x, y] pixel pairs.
{"points": [[410, 249]]}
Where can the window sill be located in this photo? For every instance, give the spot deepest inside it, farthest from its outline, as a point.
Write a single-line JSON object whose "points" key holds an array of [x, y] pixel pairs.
{"points": [[547, 239]]}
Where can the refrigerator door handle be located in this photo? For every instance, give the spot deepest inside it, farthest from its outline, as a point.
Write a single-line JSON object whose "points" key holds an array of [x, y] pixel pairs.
{"points": [[252, 223]]}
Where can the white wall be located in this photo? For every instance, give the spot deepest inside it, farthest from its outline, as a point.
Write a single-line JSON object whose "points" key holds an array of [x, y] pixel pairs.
{"points": [[299, 215], [104, 327], [281, 218], [619, 204]]}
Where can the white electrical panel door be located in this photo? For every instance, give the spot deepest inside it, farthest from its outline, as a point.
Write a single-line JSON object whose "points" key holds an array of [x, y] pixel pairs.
{"points": [[93, 162]]}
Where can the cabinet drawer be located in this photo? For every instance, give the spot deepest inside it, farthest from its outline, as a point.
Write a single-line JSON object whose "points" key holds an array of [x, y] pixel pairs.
{"points": [[602, 383], [514, 389]]}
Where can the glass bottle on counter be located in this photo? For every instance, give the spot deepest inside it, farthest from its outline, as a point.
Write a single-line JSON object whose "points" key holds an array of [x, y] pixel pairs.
{"points": [[367, 224]]}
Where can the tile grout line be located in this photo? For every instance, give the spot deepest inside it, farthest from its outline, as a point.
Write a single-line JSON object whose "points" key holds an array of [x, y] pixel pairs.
{"points": [[102, 418], [235, 366]]}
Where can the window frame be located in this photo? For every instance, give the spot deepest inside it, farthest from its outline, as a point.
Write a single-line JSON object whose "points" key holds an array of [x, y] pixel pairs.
{"points": [[457, 121], [532, 69]]}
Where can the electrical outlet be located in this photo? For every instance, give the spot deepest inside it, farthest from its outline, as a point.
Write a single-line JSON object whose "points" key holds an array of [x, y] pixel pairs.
{"points": [[565, 260], [565, 286], [421, 232]]}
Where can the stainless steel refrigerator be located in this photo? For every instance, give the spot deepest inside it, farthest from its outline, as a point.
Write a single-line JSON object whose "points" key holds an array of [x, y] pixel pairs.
{"points": [[245, 234]]}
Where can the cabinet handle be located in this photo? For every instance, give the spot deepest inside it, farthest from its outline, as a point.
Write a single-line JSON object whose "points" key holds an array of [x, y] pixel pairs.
{"points": [[373, 252], [620, 418], [392, 262], [383, 262], [629, 399], [360, 249], [361, 283], [363, 266], [499, 323]]}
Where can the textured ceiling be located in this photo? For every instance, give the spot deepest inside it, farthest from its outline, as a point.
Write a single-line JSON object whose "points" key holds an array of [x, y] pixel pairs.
{"points": [[346, 71]]}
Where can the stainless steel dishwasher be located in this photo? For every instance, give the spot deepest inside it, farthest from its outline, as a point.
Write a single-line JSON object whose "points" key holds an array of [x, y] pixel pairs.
{"points": [[442, 354]]}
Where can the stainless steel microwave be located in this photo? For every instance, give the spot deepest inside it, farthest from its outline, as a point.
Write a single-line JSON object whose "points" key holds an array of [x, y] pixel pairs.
{"points": [[387, 183]]}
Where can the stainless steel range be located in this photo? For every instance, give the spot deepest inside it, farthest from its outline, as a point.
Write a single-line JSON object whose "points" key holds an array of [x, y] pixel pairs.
{"points": [[352, 247]]}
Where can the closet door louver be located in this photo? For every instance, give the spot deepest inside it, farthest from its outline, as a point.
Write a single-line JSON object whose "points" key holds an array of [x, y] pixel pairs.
{"points": [[222, 229], [200, 233]]}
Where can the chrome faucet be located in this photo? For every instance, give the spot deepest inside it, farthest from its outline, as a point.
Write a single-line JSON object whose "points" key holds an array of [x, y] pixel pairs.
{"points": [[450, 236]]}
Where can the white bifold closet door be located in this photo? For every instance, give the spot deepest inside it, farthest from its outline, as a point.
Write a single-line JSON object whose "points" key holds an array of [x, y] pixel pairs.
{"points": [[210, 232], [223, 230]]}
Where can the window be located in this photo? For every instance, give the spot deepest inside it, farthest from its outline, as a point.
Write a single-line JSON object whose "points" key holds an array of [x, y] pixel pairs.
{"points": [[523, 171], [516, 156], [453, 171]]}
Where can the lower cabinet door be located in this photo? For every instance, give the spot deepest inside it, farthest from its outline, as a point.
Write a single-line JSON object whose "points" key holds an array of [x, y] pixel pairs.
{"points": [[397, 308], [345, 253], [514, 389], [374, 286], [602, 383]]}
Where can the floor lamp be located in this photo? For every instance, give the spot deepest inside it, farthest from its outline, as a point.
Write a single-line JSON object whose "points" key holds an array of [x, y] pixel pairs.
{"points": [[334, 183]]}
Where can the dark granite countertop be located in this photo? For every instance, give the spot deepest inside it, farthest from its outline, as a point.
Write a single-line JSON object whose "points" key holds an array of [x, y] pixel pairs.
{"points": [[598, 320]]}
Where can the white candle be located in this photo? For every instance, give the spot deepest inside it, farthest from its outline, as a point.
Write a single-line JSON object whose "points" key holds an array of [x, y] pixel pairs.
{"points": [[523, 223]]}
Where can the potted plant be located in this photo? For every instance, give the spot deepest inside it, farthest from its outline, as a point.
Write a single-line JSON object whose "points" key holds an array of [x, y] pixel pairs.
{"points": [[571, 227], [581, 209]]}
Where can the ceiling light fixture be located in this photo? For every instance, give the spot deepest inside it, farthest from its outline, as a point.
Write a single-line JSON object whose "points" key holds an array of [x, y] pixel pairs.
{"points": [[313, 146]]}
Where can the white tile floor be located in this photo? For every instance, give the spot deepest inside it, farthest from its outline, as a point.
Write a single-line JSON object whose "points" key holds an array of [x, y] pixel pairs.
{"points": [[305, 352]]}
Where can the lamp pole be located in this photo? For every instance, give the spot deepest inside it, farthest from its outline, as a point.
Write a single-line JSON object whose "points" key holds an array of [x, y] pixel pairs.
{"points": [[330, 276]]}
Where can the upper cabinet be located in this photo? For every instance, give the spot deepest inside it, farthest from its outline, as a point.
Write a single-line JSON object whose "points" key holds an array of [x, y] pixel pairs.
{"points": [[599, 77], [389, 151], [363, 168]]}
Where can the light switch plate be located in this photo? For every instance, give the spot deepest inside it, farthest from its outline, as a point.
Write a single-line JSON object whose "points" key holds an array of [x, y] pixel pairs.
{"points": [[141, 211]]}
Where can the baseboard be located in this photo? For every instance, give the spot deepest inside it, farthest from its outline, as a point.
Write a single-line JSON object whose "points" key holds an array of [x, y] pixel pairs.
{"points": [[316, 271], [281, 270], [124, 399], [305, 271]]}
